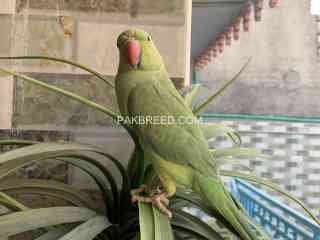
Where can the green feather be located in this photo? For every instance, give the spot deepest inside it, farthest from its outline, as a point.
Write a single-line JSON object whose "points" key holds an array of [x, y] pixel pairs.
{"points": [[177, 149]]}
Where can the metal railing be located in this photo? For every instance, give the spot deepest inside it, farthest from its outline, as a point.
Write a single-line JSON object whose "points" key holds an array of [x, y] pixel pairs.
{"points": [[279, 220]]}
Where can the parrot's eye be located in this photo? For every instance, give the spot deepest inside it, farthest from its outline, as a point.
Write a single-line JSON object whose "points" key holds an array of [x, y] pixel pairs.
{"points": [[121, 41], [149, 38]]}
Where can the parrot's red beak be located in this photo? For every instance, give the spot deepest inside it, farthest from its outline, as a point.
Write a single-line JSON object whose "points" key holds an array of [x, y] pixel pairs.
{"points": [[134, 51]]}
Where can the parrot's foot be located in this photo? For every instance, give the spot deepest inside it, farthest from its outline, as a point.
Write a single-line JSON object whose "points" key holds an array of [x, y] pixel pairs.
{"points": [[161, 201], [156, 198]]}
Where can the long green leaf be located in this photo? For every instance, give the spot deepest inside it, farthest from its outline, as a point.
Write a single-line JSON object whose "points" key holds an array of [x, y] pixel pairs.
{"points": [[20, 222], [162, 226], [238, 152], [102, 177], [7, 207], [55, 233], [197, 202], [74, 154], [88, 230], [192, 198], [17, 142], [55, 59], [48, 188], [13, 202], [252, 178], [66, 93], [48, 150], [232, 161], [146, 220], [14, 205], [187, 221], [183, 234], [87, 102], [199, 109], [213, 130], [190, 97]]}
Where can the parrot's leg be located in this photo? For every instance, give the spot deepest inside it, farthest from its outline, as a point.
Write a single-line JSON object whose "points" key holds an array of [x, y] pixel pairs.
{"points": [[155, 196], [136, 194], [161, 200], [145, 194]]}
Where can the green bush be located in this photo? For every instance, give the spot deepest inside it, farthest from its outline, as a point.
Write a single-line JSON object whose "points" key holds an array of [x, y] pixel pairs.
{"points": [[81, 219]]}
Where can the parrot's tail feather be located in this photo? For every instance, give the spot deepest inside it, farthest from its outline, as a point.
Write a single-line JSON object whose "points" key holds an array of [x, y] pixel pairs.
{"points": [[213, 191]]}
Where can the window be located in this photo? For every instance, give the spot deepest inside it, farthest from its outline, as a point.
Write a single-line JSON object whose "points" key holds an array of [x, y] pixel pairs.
{"points": [[315, 7]]}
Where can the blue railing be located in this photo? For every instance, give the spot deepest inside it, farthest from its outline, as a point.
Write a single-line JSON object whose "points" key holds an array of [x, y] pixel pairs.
{"points": [[279, 220]]}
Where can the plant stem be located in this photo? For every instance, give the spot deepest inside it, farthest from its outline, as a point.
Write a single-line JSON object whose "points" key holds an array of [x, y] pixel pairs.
{"points": [[83, 67]]}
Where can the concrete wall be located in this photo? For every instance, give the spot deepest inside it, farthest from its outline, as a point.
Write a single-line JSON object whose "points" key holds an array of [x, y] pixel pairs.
{"points": [[83, 31], [283, 76], [6, 90], [6, 98]]}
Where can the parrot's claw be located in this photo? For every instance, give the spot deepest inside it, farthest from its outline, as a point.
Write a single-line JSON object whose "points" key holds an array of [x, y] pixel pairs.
{"points": [[161, 201], [157, 199], [135, 194]]}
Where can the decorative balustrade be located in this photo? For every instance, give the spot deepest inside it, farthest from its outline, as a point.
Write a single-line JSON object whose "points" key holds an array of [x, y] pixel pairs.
{"points": [[279, 220]]}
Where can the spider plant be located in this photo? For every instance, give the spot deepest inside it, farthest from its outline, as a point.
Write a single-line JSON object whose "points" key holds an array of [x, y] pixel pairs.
{"points": [[80, 218]]}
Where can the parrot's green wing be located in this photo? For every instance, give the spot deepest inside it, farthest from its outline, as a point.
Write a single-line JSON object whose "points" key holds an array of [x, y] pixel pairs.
{"points": [[179, 142]]}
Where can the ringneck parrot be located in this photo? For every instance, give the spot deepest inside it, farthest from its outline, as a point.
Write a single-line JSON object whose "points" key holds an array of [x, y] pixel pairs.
{"points": [[177, 149]]}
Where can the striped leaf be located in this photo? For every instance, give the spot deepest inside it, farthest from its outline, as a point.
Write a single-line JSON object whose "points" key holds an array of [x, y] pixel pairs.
{"points": [[19, 222]]}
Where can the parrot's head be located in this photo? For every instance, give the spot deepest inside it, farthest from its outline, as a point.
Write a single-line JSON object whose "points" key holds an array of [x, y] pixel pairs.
{"points": [[138, 52]]}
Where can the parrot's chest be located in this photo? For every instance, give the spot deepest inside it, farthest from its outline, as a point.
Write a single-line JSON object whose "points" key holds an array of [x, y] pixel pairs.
{"points": [[126, 82]]}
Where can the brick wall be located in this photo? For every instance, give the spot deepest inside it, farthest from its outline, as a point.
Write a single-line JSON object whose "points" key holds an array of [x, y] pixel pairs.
{"points": [[295, 154]]}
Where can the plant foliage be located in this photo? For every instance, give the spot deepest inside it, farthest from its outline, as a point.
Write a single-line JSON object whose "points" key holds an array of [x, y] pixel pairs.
{"points": [[81, 219]]}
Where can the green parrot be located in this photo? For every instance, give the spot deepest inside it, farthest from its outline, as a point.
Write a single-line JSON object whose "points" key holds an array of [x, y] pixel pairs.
{"points": [[169, 133]]}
